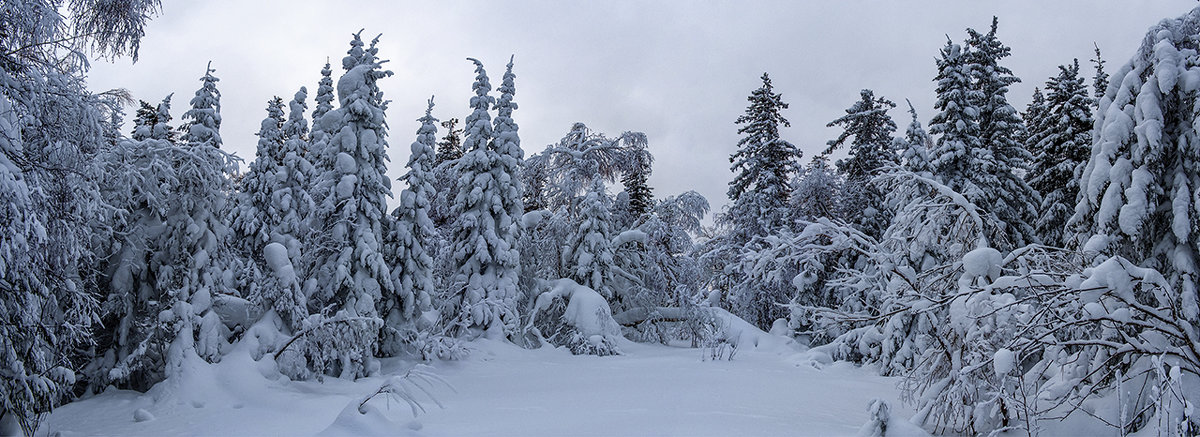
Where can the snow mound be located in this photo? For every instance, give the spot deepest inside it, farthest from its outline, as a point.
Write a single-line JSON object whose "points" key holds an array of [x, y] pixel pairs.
{"points": [[141, 415], [370, 421]]}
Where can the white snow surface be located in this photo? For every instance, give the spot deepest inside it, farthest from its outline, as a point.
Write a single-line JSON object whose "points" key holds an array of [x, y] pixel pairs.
{"points": [[501, 389]]}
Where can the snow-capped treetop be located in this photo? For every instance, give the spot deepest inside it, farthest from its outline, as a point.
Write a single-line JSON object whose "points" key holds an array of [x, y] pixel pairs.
{"points": [[324, 97], [478, 126], [641, 198], [1100, 80], [422, 156], [1063, 138], [450, 147], [764, 161], [507, 144], [957, 122], [917, 144], [868, 122], [205, 116], [296, 126], [1035, 117]]}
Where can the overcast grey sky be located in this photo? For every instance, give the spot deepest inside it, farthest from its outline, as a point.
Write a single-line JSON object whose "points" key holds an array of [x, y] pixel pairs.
{"points": [[679, 71]]}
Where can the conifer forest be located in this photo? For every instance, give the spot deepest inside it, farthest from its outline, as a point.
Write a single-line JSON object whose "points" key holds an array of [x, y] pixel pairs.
{"points": [[997, 253]]}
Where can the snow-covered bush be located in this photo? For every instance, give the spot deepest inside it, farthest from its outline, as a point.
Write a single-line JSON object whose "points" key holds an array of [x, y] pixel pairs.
{"points": [[576, 317]]}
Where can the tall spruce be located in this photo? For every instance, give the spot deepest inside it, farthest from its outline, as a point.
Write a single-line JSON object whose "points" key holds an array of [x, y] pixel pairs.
{"points": [[871, 127], [483, 289], [408, 243], [1062, 148], [195, 235], [506, 144], [1035, 119], [917, 145], [763, 165], [353, 273], [1008, 196]]}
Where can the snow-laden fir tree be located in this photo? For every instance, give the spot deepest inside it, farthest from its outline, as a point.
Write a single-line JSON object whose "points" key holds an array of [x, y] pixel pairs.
{"points": [[483, 290], [321, 159], [408, 242], [272, 207], [870, 150], [917, 144], [763, 167], [506, 143], [1064, 138], [193, 251], [1006, 195], [352, 273], [961, 158], [293, 195], [1138, 188], [588, 255], [1100, 80], [253, 212], [1034, 117], [445, 177], [325, 95], [640, 195]]}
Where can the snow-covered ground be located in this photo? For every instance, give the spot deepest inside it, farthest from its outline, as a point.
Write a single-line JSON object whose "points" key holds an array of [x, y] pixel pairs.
{"points": [[504, 390]]}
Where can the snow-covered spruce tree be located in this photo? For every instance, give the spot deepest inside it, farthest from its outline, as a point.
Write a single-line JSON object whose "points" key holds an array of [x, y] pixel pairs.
{"points": [[325, 97], [870, 150], [1100, 80], [407, 243], [445, 177], [295, 200], [1034, 118], [917, 144], [1063, 141], [483, 292], [252, 214], [763, 166], [352, 272], [272, 205], [138, 180], [506, 144], [589, 254], [322, 159], [960, 158], [639, 194], [193, 250], [1007, 195]]}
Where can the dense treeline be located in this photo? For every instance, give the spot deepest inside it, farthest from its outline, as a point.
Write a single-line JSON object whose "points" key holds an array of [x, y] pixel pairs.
{"points": [[1012, 266]]}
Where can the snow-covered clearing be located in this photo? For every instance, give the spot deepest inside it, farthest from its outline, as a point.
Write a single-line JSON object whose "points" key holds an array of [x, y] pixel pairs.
{"points": [[504, 390]]}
